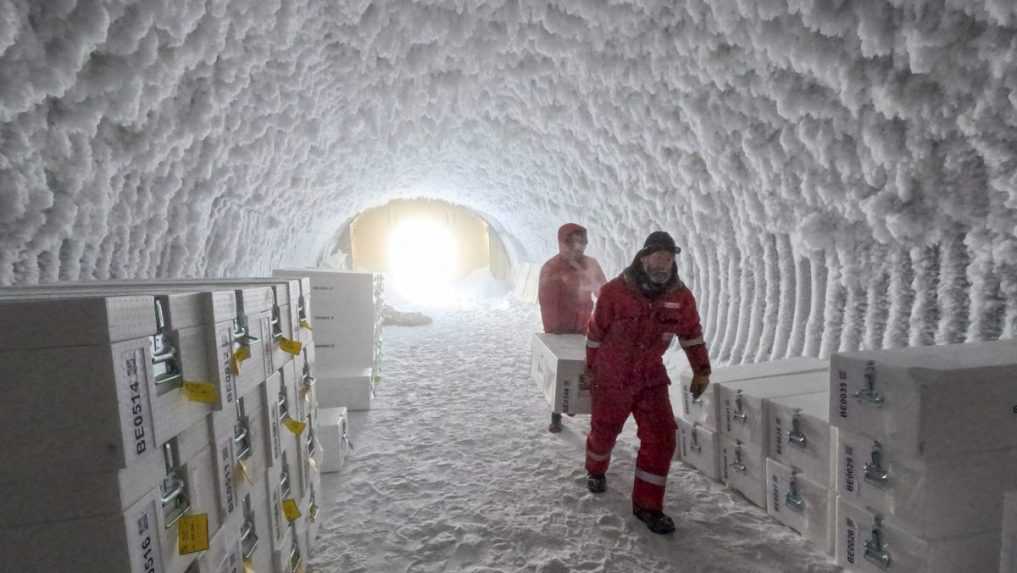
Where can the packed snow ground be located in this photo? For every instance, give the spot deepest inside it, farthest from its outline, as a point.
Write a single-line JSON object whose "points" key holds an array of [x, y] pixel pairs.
{"points": [[454, 471]]}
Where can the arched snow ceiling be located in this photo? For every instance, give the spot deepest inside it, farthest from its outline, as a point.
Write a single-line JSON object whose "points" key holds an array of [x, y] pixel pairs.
{"points": [[840, 173]]}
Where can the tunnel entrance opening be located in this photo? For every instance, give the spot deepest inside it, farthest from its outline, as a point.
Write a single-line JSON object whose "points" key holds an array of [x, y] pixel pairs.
{"points": [[432, 253]]}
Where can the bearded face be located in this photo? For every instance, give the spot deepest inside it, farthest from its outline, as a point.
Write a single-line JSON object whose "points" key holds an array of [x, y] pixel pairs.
{"points": [[658, 266]]}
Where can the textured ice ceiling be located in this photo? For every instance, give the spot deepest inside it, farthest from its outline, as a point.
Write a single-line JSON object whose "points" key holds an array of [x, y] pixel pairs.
{"points": [[840, 173]]}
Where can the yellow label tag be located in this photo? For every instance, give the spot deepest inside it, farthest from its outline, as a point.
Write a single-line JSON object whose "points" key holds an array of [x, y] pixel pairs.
{"points": [[242, 470], [305, 324], [291, 510], [294, 426], [193, 533], [201, 392], [241, 354], [290, 346], [300, 568], [248, 566]]}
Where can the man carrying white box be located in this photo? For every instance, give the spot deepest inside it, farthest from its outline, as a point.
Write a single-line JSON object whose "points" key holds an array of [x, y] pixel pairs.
{"points": [[568, 282], [637, 317]]}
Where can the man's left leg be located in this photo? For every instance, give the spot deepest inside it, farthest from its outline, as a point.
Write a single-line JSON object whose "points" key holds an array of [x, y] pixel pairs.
{"points": [[656, 431]]}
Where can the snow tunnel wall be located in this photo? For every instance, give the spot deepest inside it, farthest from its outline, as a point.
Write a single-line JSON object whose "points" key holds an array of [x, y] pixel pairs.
{"points": [[840, 174]]}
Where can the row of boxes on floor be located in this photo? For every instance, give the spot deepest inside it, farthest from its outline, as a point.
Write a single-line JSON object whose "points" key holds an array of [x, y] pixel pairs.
{"points": [[348, 334], [162, 426], [894, 460]]}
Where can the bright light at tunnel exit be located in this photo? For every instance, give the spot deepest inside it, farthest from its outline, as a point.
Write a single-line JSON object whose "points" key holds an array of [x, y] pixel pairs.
{"points": [[422, 261]]}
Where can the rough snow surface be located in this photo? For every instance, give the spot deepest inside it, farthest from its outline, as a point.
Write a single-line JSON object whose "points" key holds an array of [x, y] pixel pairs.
{"points": [[454, 471], [807, 154]]}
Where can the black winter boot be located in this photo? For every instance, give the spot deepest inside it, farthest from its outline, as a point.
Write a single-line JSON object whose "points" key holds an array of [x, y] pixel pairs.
{"points": [[596, 483], [555, 426], [655, 520]]}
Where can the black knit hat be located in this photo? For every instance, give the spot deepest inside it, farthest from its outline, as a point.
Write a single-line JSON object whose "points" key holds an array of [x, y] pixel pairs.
{"points": [[658, 241]]}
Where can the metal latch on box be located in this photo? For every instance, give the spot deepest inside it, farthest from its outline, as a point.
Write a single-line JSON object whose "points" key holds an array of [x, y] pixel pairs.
{"points": [[738, 465], [793, 499], [875, 549], [173, 490], [795, 436], [277, 331], [284, 478], [874, 472], [741, 415], [869, 393], [165, 364], [248, 534], [695, 439]]}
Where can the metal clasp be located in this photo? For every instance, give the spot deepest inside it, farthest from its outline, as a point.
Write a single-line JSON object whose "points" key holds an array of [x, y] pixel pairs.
{"points": [[874, 472], [284, 479], [738, 465], [173, 490], [793, 499], [277, 331], [869, 393], [740, 415], [165, 364], [795, 436], [875, 549], [695, 439], [248, 533]]}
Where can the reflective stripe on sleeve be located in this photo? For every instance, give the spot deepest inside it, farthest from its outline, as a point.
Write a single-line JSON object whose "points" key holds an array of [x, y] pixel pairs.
{"points": [[651, 478], [592, 343], [688, 343]]}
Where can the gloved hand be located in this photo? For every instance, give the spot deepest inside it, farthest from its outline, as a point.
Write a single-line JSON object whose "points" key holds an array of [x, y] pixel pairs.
{"points": [[588, 380], [699, 384]]}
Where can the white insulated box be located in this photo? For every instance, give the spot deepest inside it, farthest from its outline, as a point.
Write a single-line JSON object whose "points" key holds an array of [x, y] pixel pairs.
{"points": [[1008, 550], [345, 318], [352, 389], [224, 554], [84, 406], [701, 410], [277, 524], [801, 436], [868, 542], [705, 411], [804, 505], [932, 499], [743, 469], [287, 557], [84, 321], [699, 447], [741, 405], [931, 401], [333, 429], [127, 542], [557, 364]]}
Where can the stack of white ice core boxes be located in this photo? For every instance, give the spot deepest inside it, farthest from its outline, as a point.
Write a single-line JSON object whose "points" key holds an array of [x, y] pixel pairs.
{"points": [[698, 419], [202, 428], [927, 447], [347, 323]]}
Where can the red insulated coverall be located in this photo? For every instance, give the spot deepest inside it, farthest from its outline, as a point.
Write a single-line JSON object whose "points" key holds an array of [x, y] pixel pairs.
{"points": [[566, 288], [626, 341]]}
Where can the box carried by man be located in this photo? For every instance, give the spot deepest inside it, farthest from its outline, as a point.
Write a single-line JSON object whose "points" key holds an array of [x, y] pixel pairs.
{"points": [[556, 366]]}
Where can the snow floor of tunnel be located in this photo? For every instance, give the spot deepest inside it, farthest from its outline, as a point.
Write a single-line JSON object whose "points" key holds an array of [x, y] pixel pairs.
{"points": [[454, 470]]}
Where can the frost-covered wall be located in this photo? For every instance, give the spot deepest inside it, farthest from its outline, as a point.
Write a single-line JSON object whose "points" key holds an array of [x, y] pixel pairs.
{"points": [[840, 173]]}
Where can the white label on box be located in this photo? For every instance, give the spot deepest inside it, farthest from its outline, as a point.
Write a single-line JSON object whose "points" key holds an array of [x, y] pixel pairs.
{"points": [[136, 409], [224, 347], [225, 460], [143, 537]]}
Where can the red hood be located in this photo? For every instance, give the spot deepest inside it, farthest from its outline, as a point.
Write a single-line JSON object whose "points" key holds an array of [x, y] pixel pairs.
{"points": [[565, 231]]}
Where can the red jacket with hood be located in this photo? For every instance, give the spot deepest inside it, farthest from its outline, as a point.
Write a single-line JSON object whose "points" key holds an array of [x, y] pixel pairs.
{"points": [[630, 332], [567, 288]]}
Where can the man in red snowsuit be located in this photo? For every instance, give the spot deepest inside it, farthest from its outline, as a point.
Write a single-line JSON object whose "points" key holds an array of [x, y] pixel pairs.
{"points": [[567, 283], [637, 317]]}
